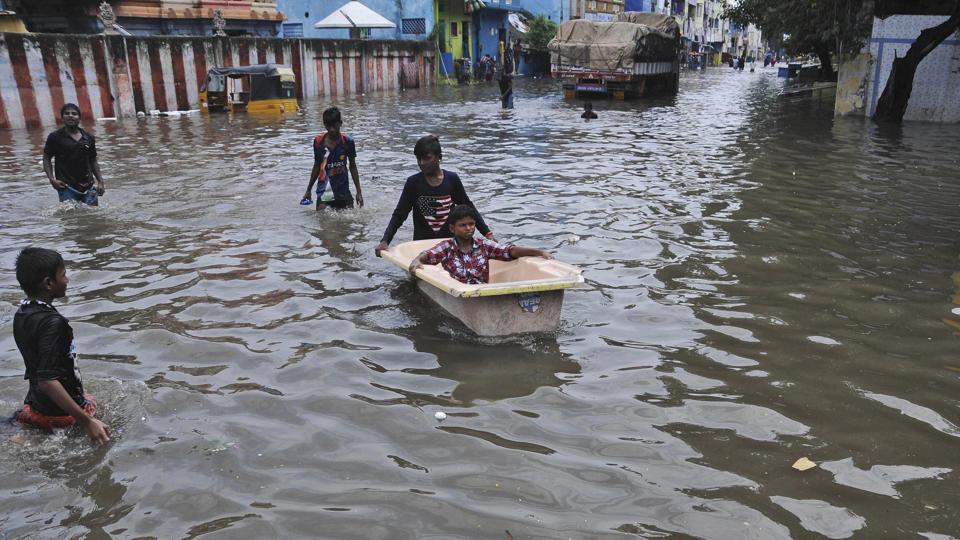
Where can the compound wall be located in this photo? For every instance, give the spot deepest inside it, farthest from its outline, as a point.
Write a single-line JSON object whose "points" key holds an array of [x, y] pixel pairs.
{"points": [[936, 86], [116, 76]]}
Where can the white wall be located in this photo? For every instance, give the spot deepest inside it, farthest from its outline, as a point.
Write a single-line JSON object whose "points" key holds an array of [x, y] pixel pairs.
{"points": [[936, 88]]}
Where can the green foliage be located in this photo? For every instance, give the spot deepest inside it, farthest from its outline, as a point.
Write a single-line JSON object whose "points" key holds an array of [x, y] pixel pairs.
{"points": [[808, 24], [541, 31]]}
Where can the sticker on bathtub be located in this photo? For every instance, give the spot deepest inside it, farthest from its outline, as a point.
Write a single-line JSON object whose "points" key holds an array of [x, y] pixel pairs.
{"points": [[530, 302]]}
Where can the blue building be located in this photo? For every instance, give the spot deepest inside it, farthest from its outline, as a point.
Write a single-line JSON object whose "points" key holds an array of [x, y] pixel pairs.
{"points": [[505, 22], [414, 18], [461, 31]]}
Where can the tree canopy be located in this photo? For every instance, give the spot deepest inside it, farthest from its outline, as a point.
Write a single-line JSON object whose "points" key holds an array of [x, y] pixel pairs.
{"points": [[541, 31]]}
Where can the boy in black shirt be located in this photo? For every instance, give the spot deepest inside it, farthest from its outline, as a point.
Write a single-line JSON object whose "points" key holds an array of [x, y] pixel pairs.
{"points": [[45, 340], [430, 194], [74, 166]]}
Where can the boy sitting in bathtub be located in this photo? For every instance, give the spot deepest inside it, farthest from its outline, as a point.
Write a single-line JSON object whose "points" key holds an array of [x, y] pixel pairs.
{"points": [[466, 258]]}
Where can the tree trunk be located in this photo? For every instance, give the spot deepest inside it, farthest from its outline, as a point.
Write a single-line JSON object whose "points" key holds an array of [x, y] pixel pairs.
{"points": [[826, 66], [892, 104]]}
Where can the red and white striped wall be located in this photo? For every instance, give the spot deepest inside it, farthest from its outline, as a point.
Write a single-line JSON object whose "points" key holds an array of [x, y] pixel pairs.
{"points": [[115, 76]]}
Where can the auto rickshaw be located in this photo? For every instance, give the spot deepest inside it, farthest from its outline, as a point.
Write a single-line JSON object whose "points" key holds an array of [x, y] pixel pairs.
{"points": [[258, 88]]}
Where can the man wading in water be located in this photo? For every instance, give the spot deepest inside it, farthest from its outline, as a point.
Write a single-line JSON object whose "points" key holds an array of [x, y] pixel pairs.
{"points": [[74, 155], [429, 194], [506, 90]]}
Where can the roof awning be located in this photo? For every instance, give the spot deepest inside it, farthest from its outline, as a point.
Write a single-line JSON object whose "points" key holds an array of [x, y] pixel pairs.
{"points": [[353, 14]]}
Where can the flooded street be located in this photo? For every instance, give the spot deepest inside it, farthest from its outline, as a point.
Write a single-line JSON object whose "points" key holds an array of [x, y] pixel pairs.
{"points": [[763, 282]]}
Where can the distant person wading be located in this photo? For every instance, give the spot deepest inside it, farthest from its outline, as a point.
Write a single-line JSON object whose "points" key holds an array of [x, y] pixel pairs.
{"points": [[588, 111], [70, 160]]}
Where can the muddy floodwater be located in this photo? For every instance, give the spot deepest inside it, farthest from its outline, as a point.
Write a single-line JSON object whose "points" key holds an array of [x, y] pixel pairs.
{"points": [[763, 283]]}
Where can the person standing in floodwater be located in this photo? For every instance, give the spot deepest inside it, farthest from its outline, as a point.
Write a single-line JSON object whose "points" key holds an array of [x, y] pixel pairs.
{"points": [[488, 65], [56, 398], [70, 160], [430, 194], [334, 153], [506, 90], [588, 111]]}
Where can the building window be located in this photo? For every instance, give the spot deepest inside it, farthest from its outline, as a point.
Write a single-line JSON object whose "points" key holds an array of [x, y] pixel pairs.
{"points": [[292, 29], [413, 26], [593, 5], [453, 29]]}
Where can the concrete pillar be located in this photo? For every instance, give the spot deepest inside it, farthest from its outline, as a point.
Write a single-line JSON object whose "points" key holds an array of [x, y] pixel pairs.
{"points": [[122, 90]]}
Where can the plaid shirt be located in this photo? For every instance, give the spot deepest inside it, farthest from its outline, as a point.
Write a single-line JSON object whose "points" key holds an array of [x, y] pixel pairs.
{"points": [[473, 267]]}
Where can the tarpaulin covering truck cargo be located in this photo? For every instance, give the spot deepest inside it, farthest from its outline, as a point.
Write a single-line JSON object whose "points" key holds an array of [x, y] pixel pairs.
{"points": [[635, 55]]}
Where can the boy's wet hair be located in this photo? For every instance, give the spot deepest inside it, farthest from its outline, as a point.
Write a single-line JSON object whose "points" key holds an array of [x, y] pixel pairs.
{"points": [[428, 144], [67, 106], [461, 211], [331, 116], [35, 264], [587, 105]]}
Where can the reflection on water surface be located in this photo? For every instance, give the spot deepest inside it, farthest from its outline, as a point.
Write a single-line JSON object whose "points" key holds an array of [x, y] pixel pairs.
{"points": [[763, 283]]}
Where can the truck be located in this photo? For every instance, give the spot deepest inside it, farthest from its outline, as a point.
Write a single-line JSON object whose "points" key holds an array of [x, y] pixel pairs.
{"points": [[636, 55]]}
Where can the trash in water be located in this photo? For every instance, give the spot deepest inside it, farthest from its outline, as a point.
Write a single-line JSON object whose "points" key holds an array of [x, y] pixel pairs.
{"points": [[573, 239], [440, 416], [803, 464], [217, 446]]}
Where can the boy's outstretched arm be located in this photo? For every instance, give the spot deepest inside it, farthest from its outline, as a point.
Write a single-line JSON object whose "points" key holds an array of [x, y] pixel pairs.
{"points": [[355, 173], [418, 262], [518, 251], [400, 213], [96, 430], [314, 173]]}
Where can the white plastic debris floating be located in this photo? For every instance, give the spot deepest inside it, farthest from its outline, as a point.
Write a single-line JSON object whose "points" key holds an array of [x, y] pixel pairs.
{"points": [[523, 296]]}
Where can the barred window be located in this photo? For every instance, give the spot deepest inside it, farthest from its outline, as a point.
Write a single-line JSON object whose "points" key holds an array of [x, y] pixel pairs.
{"points": [[292, 29], [413, 26]]}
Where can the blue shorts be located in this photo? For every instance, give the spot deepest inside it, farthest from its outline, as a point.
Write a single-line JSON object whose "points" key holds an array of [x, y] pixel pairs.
{"points": [[86, 197]]}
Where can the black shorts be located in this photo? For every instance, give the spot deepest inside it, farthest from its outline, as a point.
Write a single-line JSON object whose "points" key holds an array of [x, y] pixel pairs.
{"points": [[337, 204]]}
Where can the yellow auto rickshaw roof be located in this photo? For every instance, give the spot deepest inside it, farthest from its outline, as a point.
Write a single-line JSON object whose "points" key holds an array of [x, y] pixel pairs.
{"points": [[268, 70]]}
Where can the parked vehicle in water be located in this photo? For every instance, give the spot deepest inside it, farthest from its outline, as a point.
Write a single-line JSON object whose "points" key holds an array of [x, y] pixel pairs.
{"points": [[636, 55], [257, 88], [523, 296]]}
